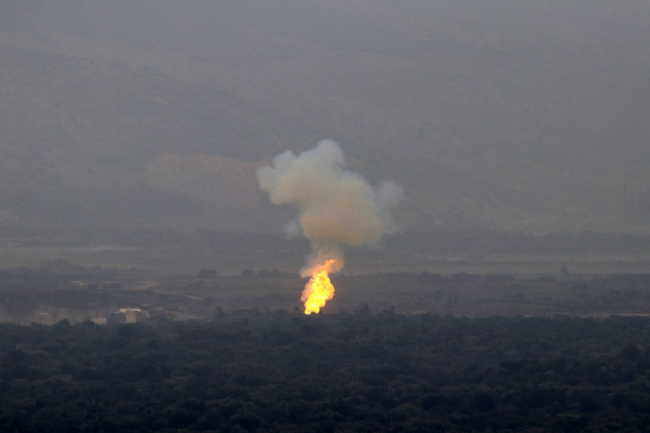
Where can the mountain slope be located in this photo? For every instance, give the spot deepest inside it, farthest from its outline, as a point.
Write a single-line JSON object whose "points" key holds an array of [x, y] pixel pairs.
{"points": [[81, 140], [503, 115]]}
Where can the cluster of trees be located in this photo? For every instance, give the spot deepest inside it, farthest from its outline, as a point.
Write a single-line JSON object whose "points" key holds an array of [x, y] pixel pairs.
{"points": [[347, 372]]}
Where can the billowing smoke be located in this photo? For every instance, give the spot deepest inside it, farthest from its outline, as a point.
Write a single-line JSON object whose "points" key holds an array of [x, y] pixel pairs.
{"points": [[335, 206]]}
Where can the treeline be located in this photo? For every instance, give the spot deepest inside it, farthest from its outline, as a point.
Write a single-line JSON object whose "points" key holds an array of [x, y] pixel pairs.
{"points": [[278, 372]]}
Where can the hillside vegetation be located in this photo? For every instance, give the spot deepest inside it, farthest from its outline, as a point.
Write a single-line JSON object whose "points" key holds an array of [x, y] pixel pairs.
{"points": [[353, 372]]}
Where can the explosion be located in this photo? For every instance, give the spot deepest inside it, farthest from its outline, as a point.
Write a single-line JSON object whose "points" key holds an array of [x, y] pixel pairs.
{"points": [[319, 289], [336, 207]]}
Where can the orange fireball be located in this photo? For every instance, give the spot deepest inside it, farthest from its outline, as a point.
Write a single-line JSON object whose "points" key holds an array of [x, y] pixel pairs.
{"points": [[319, 289]]}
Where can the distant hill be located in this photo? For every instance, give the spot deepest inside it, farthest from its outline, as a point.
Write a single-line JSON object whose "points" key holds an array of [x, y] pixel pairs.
{"points": [[528, 115], [85, 141]]}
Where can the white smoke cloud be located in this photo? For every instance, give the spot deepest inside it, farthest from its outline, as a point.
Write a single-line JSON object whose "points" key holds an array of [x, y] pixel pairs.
{"points": [[335, 206]]}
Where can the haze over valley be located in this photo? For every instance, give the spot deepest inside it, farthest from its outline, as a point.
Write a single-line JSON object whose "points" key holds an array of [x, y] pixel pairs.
{"points": [[488, 138], [504, 116], [274, 216]]}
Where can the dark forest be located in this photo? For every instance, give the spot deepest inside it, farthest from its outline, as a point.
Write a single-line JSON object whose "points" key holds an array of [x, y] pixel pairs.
{"points": [[272, 372]]}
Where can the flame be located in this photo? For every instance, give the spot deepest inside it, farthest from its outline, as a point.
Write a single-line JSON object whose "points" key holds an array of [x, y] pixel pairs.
{"points": [[319, 289]]}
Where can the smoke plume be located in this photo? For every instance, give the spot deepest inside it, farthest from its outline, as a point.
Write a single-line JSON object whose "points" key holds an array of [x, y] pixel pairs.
{"points": [[335, 206]]}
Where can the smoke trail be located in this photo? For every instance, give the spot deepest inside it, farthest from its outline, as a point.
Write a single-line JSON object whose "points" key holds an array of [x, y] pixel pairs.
{"points": [[335, 206]]}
